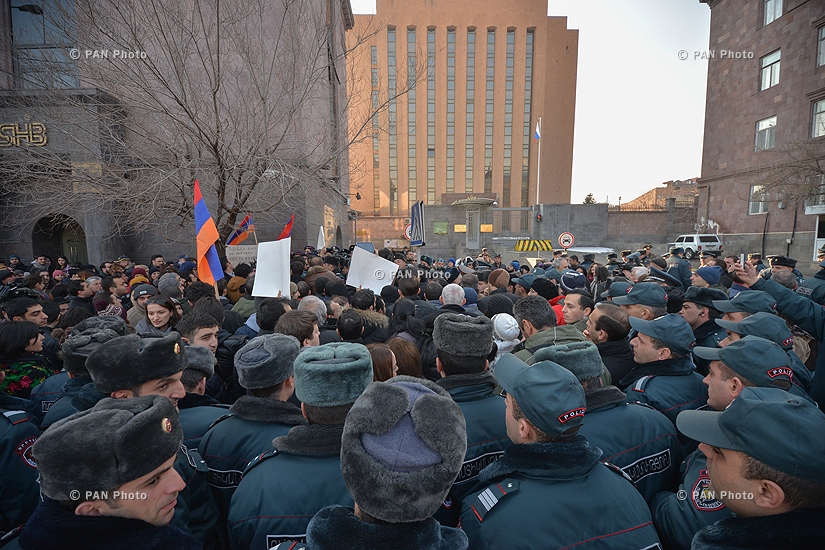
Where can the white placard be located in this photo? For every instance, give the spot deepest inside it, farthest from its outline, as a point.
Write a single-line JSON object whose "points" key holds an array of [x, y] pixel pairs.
{"points": [[370, 271], [242, 253], [321, 240], [272, 271]]}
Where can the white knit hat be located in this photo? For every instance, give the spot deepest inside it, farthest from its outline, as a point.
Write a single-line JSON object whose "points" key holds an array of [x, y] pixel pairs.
{"points": [[505, 326]]}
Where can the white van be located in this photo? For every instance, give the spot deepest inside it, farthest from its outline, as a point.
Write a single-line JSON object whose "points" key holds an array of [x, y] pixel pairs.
{"points": [[693, 244]]}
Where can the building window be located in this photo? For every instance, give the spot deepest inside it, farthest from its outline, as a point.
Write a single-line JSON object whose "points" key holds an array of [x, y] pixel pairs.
{"points": [[769, 75], [819, 119], [431, 116], [488, 114], [470, 130], [376, 162], [758, 203], [773, 10], [508, 115], [392, 118], [450, 110], [527, 129], [765, 133], [820, 49], [411, 141]]}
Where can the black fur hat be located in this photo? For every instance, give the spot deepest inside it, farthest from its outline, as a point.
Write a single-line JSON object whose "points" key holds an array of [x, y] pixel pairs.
{"points": [[129, 361], [77, 348], [403, 445], [107, 446], [100, 322], [458, 334], [200, 359]]}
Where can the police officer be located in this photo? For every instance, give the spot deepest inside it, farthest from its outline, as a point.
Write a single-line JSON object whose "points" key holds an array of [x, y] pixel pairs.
{"points": [[284, 487], [132, 366], [198, 411], [264, 366], [463, 344], [745, 304], [814, 288], [755, 259], [665, 376], [646, 447], [678, 266], [549, 490], [700, 314]]}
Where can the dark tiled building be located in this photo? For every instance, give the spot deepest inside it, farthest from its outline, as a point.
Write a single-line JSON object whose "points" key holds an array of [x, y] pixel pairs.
{"points": [[765, 102]]}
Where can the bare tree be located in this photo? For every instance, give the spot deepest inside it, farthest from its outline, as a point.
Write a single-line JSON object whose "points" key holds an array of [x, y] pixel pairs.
{"points": [[794, 175], [247, 96]]}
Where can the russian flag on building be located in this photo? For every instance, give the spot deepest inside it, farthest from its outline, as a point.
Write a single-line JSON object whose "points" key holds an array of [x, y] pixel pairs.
{"points": [[206, 233], [240, 234], [537, 135]]}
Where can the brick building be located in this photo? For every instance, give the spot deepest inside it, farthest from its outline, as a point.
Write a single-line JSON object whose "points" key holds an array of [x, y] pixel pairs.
{"points": [[460, 88], [757, 117]]}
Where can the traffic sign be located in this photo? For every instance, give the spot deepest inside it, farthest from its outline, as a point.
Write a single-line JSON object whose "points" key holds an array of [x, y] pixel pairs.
{"points": [[566, 239], [408, 231]]}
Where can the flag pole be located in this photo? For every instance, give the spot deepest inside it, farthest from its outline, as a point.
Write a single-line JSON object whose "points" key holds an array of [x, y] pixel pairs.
{"points": [[538, 170], [254, 233]]}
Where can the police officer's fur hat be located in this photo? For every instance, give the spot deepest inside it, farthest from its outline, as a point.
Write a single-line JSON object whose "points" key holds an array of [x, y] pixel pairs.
{"points": [[266, 361], [77, 348], [200, 359], [107, 446], [402, 483], [129, 361], [458, 334], [110, 322], [333, 374]]}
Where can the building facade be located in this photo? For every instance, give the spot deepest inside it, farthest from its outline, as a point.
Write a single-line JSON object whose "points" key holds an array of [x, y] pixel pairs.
{"points": [[449, 98], [765, 126]]}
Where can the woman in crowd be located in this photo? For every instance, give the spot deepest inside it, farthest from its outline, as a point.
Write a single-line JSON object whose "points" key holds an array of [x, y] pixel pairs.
{"points": [[161, 316], [384, 365], [21, 358]]}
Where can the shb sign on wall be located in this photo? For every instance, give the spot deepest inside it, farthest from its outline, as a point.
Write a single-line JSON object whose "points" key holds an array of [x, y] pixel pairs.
{"points": [[32, 134]]}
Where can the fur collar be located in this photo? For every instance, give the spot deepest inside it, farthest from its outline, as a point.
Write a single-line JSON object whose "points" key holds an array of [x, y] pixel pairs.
{"points": [[258, 409], [681, 366], [373, 317], [336, 527], [311, 439], [73, 385], [462, 380], [603, 396], [192, 400], [799, 529], [564, 459], [315, 270], [50, 523], [87, 397]]}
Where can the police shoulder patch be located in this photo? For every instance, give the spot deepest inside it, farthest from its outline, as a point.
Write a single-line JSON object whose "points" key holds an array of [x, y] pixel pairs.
{"points": [[24, 451], [260, 458], [484, 501], [702, 497]]}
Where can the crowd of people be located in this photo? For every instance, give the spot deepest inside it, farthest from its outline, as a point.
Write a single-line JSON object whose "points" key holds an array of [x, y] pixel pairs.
{"points": [[473, 403]]}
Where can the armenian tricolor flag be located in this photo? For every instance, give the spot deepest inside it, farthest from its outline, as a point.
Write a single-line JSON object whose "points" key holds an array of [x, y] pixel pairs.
{"points": [[206, 233], [287, 229], [242, 232]]}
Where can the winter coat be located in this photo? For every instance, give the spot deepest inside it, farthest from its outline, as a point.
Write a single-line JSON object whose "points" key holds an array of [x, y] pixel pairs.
{"points": [[51, 526], [646, 447], [23, 373], [283, 488], [553, 336], [233, 286], [814, 288], [337, 528], [797, 529], [63, 407], [681, 270], [235, 439], [197, 414], [145, 327], [19, 490], [228, 346], [376, 326], [44, 395], [670, 386], [708, 335], [618, 359], [487, 438], [555, 495], [245, 306], [136, 313], [678, 516]]}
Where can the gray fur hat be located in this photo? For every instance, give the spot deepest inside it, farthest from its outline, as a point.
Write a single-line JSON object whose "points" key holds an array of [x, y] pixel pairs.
{"points": [[129, 361], [107, 446], [168, 281], [266, 361], [79, 345], [458, 334], [581, 358], [333, 374], [403, 445], [200, 359], [110, 322]]}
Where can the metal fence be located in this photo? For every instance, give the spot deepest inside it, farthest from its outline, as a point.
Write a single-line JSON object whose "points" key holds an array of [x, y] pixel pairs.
{"points": [[512, 221]]}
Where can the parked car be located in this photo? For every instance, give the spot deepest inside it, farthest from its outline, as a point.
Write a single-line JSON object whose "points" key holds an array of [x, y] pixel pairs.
{"points": [[693, 244]]}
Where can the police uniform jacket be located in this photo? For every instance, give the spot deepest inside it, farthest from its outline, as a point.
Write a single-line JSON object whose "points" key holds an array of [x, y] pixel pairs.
{"points": [[19, 490], [487, 438], [617, 358], [809, 316], [681, 270], [44, 395], [283, 488], [634, 437], [63, 407], [555, 495], [670, 386], [678, 516], [797, 529], [337, 528], [197, 414], [235, 439], [708, 335], [814, 288]]}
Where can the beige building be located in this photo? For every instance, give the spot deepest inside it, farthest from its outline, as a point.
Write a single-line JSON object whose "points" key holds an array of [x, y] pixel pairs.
{"points": [[459, 89]]}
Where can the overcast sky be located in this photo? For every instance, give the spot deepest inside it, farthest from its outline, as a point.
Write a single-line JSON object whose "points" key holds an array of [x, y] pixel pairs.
{"points": [[639, 108]]}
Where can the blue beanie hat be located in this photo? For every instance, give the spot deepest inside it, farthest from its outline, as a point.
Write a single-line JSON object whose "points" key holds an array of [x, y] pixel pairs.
{"points": [[710, 273]]}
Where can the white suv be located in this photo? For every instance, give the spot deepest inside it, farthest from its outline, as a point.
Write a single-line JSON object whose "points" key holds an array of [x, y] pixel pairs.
{"points": [[693, 244]]}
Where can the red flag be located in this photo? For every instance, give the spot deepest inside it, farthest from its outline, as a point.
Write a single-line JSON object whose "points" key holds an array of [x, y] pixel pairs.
{"points": [[287, 229]]}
